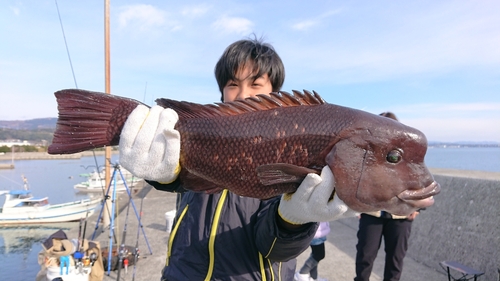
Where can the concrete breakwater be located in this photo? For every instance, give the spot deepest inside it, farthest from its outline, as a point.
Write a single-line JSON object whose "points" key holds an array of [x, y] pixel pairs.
{"points": [[463, 225], [6, 166]]}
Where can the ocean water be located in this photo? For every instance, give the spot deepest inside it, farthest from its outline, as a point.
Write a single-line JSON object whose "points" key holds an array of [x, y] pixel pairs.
{"points": [[53, 178], [19, 246], [467, 158]]}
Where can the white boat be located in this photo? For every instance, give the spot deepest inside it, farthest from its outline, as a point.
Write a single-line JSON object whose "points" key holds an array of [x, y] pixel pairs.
{"points": [[20, 207], [96, 182]]}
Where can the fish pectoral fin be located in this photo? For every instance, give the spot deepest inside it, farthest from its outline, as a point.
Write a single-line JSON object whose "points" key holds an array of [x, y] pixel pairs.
{"points": [[270, 174]]}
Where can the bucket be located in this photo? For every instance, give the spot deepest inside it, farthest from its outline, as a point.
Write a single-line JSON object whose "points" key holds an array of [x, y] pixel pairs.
{"points": [[169, 217]]}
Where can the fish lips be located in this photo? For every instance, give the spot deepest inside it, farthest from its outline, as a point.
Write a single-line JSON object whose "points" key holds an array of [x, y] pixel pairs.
{"points": [[421, 198]]}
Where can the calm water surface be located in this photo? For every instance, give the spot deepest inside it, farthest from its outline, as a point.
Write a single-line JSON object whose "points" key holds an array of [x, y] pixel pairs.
{"points": [[19, 246], [479, 159]]}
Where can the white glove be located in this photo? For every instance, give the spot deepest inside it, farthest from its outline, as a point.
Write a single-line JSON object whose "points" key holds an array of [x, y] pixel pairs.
{"points": [[310, 203], [149, 144]]}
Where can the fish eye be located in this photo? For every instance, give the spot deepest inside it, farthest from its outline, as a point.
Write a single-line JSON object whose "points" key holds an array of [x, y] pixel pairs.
{"points": [[394, 156]]}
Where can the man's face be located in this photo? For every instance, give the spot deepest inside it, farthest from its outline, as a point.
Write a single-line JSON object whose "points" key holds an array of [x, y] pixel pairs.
{"points": [[246, 85]]}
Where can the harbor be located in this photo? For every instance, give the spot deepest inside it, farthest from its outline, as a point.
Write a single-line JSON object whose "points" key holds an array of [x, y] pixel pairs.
{"points": [[461, 225], [45, 156], [6, 157]]}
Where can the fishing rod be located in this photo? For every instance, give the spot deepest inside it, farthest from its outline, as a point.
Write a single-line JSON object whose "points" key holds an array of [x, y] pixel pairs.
{"points": [[136, 250], [105, 207], [79, 234], [77, 254], [66, 44], [112, 224], [76, 86], [121, 252], [85, 228], [105, 194], [135, 210]]}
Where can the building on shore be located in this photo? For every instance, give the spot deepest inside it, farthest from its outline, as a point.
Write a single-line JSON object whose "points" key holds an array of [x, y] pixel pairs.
{"points": [[11, 143]]}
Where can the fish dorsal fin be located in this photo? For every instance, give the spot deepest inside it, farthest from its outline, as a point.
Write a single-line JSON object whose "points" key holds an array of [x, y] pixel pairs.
{"points": [[252, 104]]}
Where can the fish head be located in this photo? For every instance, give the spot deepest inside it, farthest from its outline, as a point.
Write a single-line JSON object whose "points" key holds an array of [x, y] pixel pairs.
{"points": [[382, 168]]}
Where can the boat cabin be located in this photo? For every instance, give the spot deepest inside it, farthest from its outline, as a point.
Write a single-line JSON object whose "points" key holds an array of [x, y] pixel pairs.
{"points": [[15, 199]]}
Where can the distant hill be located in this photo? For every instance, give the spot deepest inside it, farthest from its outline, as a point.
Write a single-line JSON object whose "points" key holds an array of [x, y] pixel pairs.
{"points": [[33, 124], [35, 130], [43, 129]]}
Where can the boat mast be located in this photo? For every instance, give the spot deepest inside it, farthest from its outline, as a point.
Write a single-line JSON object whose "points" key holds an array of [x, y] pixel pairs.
{"points": [[107, 70]]}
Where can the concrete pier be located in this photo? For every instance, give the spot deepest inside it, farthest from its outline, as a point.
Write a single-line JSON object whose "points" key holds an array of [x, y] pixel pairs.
{"points": [[463, 226], [6, 166], [44, 155]]}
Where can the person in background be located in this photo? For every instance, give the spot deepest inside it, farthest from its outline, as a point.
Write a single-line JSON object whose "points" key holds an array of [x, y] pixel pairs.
{"points": [[224, 236], [309, 271], [396, 232]]}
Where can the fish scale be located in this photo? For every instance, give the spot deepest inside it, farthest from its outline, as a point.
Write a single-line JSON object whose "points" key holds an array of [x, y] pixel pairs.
{"points": [[266, 145], [297, 141]]}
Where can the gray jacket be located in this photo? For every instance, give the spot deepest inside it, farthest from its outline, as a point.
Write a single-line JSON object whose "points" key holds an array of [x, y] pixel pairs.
{"points": [[224, 236]]}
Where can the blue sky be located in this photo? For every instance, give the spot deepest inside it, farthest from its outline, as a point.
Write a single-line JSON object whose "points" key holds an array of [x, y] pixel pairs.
{"points": [[436, 64]]}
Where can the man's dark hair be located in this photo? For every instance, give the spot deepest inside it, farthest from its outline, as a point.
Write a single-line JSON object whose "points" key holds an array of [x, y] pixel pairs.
{"points": [[264, 58]]}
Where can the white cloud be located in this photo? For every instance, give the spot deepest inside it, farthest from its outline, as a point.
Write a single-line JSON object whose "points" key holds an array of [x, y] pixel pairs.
{"points": [[195, 10], [15, 10], [454, 121], [143, 17], [303, 25], [457, 129], [474, 121], [236, 25], [458, 108], [307, 24], [434, 42]]}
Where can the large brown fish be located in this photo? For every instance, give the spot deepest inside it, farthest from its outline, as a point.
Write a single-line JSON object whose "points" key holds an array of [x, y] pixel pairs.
{"points": [[264, 146]]}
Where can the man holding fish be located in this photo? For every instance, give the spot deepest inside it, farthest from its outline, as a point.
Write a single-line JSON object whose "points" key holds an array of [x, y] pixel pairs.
{"points": [[256, 171], [223, 236]]}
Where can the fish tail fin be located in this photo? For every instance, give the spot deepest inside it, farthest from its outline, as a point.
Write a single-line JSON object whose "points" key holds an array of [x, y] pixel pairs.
{"points": [[88, 120]]}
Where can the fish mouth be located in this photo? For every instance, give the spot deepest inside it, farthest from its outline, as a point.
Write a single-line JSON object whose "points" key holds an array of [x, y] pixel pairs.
{"points": [[421, 198]]}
